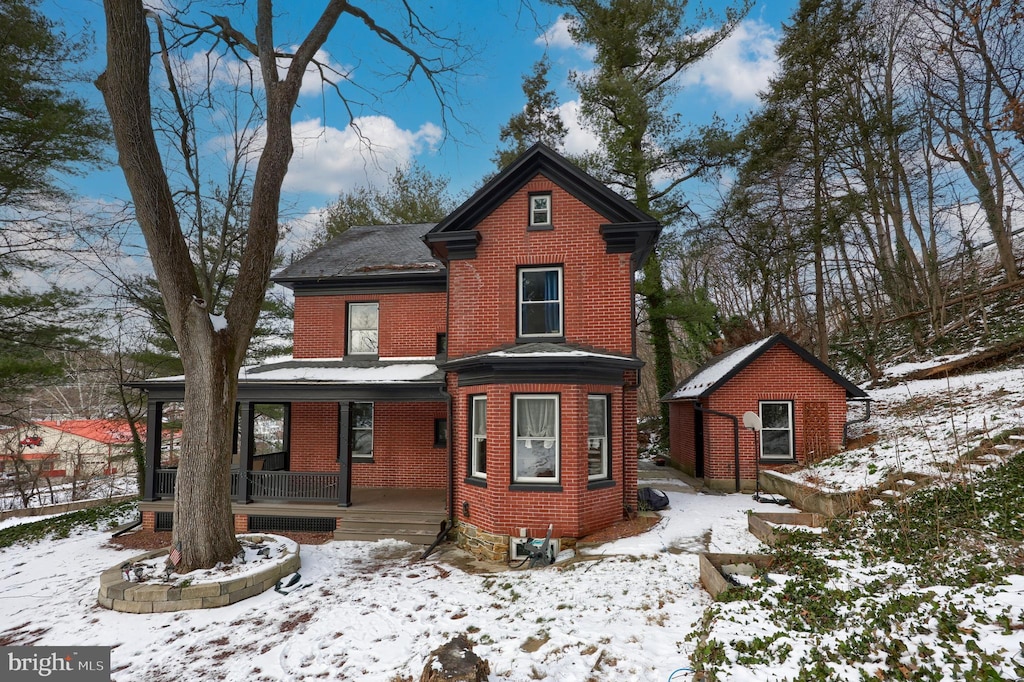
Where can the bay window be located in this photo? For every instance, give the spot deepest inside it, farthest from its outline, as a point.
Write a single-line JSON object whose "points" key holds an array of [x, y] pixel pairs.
{"points": [[536, 451], [597, 437], [478, 436]]}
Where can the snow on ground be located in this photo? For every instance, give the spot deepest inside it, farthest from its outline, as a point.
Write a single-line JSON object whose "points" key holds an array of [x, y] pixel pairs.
{"points": [[924, 426], [62, 493], [622, 611]]}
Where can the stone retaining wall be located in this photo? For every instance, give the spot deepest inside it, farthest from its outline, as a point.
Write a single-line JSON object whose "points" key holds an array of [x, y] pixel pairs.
{"points": [[120, 595]]}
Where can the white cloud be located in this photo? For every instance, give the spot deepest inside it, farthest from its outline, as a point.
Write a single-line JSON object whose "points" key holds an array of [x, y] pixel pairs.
{"points": [[578, 140], [740, 66], [558, 36], [313, 80], [221, 70], [328, 160]]}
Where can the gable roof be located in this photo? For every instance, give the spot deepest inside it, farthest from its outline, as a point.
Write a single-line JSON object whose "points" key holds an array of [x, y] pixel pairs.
{"points": [[366, 252], [106, 431], [636, 229], [724, 367]]}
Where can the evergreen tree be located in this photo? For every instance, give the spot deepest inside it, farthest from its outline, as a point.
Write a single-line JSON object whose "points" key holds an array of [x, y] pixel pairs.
{"points": [[44, 131], [539, 121], [641, 47]]}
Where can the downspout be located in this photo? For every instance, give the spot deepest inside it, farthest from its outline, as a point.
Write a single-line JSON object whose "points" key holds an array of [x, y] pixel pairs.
{"points": [[866, 417], [735, 436]]}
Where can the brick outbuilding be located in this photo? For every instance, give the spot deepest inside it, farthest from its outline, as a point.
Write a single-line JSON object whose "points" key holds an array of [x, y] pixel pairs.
{"points": [[801, 402]]}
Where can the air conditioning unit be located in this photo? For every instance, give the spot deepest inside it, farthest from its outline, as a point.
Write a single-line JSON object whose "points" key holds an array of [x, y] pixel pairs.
{"points": [[516, 551]]}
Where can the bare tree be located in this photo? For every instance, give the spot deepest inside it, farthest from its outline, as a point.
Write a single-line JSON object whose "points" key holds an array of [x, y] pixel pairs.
{"points": [[212, 346]]}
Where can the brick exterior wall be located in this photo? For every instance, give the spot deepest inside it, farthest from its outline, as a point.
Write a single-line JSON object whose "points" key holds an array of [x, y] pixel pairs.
{"points": [[778, 374], [597, 286], [575, 510], [597, 312], [407, 324], [404, 455]]}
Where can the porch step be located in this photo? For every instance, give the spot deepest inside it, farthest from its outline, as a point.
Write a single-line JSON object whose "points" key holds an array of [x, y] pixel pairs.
{"points": [[417, 529]]}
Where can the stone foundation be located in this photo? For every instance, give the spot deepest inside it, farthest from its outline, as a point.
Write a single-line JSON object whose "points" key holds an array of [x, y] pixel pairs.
{"points": [[480, 543]]}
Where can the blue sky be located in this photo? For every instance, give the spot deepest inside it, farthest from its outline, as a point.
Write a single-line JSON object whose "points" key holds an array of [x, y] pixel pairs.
{"points": [[506, 40]]}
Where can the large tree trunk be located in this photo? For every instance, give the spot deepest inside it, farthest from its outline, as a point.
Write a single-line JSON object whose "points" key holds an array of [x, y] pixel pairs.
{"points": [[211, 357]]}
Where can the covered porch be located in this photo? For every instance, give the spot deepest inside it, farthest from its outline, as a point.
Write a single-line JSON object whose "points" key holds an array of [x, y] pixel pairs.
{"points": [[287, 483]]}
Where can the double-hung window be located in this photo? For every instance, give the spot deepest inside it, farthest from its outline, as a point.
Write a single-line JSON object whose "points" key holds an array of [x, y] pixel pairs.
{"points": [[361, 430], [540, 302], [540, 210], [536, 456], [777, 429], [597, 437], [362, 328], [478, 436]]}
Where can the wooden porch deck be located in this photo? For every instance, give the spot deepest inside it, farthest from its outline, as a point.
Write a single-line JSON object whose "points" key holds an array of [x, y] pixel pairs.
{"points": [[411, 514]]}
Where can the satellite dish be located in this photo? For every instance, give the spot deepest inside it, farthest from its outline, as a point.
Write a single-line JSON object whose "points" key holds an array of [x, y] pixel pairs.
{"points": [[751, 421]]}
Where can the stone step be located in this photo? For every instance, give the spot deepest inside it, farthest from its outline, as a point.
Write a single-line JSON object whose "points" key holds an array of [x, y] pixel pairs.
{"points": [[414, 537]]}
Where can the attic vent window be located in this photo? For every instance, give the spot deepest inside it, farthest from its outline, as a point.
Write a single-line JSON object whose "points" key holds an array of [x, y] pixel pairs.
{"points": [[540, 210]]}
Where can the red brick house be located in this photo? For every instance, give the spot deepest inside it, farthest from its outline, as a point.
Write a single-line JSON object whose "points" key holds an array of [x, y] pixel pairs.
{"points": [[801, 401], [481, 371]]}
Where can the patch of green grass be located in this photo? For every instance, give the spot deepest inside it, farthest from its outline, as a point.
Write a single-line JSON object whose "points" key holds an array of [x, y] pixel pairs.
{"points": [[62, 526]]}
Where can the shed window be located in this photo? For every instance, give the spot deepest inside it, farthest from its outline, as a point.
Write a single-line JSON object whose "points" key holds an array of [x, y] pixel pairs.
{"points": [[777, 429]]}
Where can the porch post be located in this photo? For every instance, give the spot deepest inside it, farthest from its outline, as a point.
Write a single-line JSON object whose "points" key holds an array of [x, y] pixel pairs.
{"points": [[154, 433], [246, 418], [344, 456]]}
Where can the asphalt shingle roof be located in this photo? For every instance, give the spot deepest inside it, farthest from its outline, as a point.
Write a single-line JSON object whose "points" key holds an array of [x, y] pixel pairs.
{"points": [[367, 250]]}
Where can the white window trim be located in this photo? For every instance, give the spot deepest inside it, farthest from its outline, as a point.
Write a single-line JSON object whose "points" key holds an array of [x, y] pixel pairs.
{"points": [[352, 429], [516, 478], [605, 464], [560, 300], [475, 438], [348, 324], [792, 447], [533, 210]]}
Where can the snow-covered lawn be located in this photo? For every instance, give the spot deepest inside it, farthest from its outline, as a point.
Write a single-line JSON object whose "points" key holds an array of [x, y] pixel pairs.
{"points": [[924, 426], [627, 610], [368, 613]]}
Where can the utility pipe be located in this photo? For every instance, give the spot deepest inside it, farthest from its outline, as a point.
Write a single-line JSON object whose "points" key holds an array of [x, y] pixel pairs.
{"points": [[735, 436]]}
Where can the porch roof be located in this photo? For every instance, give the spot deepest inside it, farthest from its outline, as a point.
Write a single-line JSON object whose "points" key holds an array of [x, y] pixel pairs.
{"points": [[542, 363], [323, 379]]}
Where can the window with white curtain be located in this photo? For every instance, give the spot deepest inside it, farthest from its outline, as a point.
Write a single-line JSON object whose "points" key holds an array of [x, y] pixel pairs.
{"points": [[362, 328], [478, 436], [536, 457]]}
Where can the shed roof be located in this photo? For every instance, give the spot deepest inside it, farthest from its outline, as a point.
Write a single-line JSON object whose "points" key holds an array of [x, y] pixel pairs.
{"points": [[366, 251], [724, 367]]}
